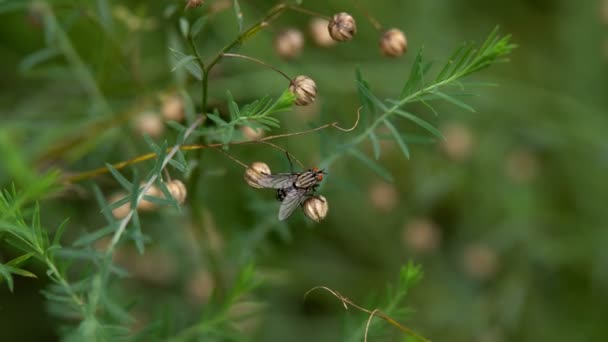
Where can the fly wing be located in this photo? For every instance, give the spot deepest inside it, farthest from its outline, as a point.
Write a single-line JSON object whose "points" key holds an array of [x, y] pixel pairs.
{"points": [[292, 200], [277, 181]]}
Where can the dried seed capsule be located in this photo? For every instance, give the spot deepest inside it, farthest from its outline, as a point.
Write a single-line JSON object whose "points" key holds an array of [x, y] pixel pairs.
{"points": [[342, 27], [177, 190], [480, 261], [320, 33], [305, 90], [173, 108], [289, 43], [254, 172], [393, 43], [149, 123], [316, 208]]}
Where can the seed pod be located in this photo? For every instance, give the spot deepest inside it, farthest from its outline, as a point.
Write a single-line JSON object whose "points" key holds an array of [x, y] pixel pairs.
{"points": [[173, 108], [316, 208], [252, 133], [193, 3], [383, 196], [421, 236], [480, 261], [305, 90], [122, 211], [153, 191], [289, 43], [342, 27], [393, 43], [320, 33], [149, 123], [459, 141], [177, 190], [254, 172]]}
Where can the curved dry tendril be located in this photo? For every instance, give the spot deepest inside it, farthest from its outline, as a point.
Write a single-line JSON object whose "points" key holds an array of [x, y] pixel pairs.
{"points": [[376, 312], [92, 173]]}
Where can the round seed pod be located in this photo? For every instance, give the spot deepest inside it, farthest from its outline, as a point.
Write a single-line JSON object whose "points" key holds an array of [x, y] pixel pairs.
{"points": [[122, 211], [289, 43], [320, 33], [173, 108], [252, 133], [383, 196], [305, 90], [480, 261], [421, 236], [393, 43], [342, 27], [153, 191], [316, 208], [149, 123], [177, 190], [459, 141], [254, 172]]}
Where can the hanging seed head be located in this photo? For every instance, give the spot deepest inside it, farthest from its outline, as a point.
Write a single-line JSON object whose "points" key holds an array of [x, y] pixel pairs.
{"points": [[177, 190], [289, 43], [342, 27], [305, 90], [149, 123], [459, 141], [254, 172], [173, 108], [316, 208], [393, 43], [193, 3], [320, 33]]}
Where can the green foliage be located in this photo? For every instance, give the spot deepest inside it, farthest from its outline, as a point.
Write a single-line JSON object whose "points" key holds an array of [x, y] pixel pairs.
{"points": [[99, 55]]}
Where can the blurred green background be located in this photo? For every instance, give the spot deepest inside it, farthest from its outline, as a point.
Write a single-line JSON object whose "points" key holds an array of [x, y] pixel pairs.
{"points": [[507, 216]]}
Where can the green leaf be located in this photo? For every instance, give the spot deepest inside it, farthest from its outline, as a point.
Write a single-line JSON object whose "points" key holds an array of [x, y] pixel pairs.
{"points": [[364, 91], [59, 232], [454, 101], [375, 144], [184, 26], [89, 238], [414, 78], [382, 172], [420, 122], [233, 107], [197, 26], [193, 68], [397, 137], [216, 118], [183, 62], [368, 105], [119, 177], [38, 57], [238, 13]]}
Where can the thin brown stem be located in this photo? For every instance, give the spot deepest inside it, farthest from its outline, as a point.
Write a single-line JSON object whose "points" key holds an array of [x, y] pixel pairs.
{"points": [[375, 23], [236, 55], [309, 12], [148, 156]]}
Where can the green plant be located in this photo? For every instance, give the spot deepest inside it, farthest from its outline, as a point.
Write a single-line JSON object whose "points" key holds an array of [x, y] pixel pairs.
{"points": [[87, 287]]}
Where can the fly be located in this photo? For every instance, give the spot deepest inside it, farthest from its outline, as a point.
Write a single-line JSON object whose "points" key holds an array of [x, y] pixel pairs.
{"points": [[292, 188]]}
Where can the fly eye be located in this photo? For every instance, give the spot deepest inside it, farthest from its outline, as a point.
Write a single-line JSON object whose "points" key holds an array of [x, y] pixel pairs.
{"points": [[319, 177], [314, 169]]}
